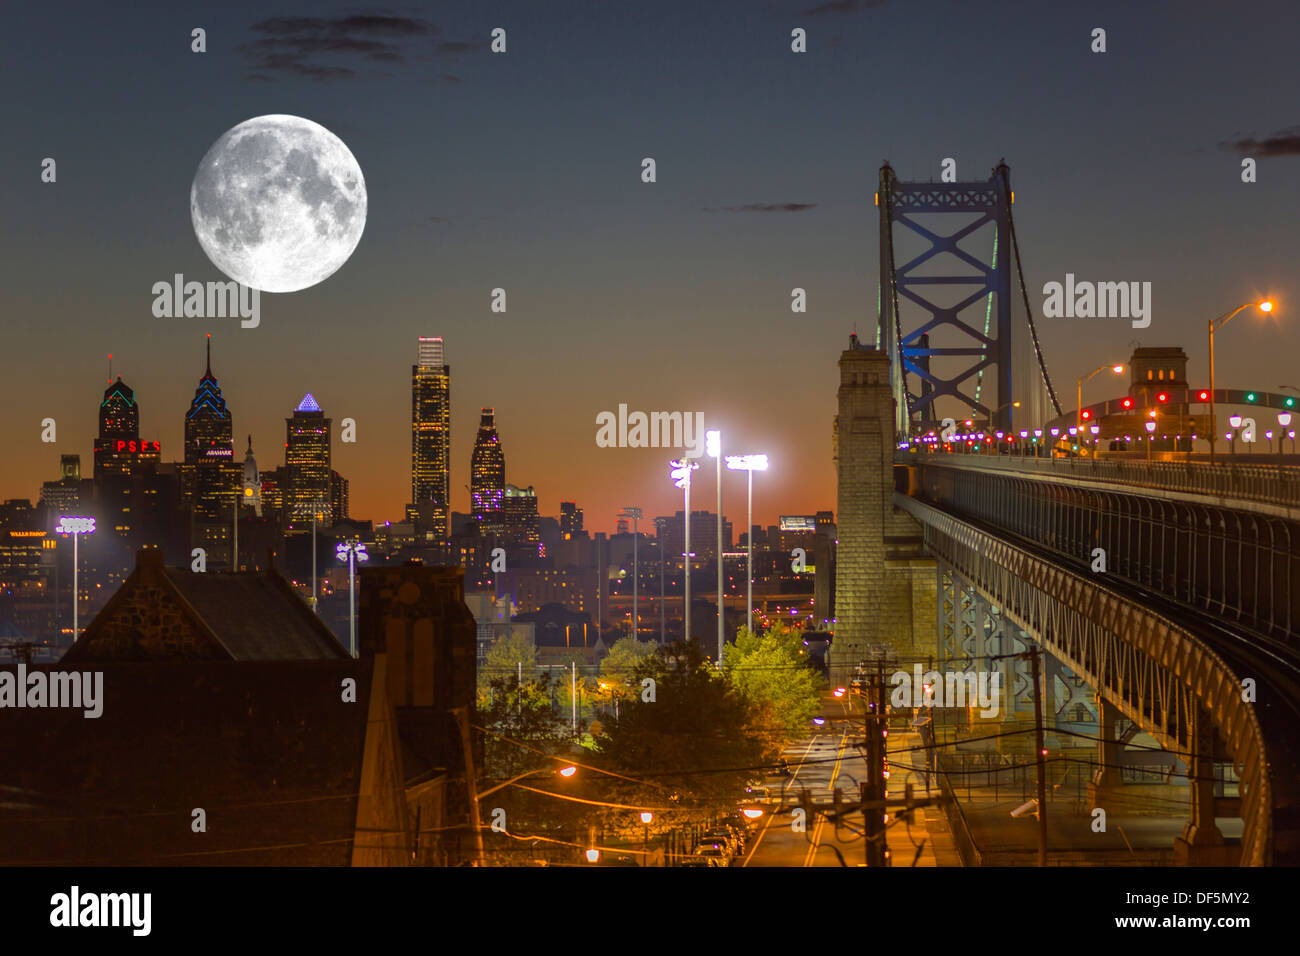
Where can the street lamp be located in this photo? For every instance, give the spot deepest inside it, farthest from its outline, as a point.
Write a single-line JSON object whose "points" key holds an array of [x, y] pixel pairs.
{"points": [[750, 464], [1235, 422], [1283, 420], [1218, 323], [635, 514], [75, 527], [568, 771], [1151, 430], [352, 552], [646, 818], [681, 475], [1096, 442], [713, 448], [1078, 402]]}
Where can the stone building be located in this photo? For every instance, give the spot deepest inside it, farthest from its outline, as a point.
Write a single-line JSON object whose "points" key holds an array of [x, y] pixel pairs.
{"points": [[885, 586]]}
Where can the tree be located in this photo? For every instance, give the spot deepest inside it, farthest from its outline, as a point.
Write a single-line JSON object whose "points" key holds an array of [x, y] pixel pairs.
{"points": [[504, 657], [693, 745], [772, 673]]}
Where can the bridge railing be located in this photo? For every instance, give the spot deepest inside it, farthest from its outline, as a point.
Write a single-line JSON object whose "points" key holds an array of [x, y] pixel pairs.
{"points": [[1271, 484]]}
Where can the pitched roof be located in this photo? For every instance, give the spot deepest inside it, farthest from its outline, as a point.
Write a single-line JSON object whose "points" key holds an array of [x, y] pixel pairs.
{"points": [[256, 616]]}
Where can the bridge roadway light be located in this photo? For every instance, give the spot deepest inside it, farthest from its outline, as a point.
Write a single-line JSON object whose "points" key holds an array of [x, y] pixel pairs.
{"points": [[750, 464], [1218, 323], [1117, 368], [75, 526]]}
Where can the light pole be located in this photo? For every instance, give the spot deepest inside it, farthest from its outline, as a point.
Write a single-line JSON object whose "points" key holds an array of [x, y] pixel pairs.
{"points": [[635, 515], [75, 527], [352, 551], [1218, 323], [1283, 420], [713, 447], [681, 475], [1078, 402], [1234, 422], [1151, 433], [750, 464], [317, 506]]}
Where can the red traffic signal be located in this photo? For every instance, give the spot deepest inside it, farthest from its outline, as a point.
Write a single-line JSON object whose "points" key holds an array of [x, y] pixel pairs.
{"points": [[1203, 396], [1087, 414], [1162, 397], [1127, 403]]}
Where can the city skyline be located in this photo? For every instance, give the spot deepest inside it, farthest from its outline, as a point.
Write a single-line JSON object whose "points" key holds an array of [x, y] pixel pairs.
{"points": [[607, 277]]}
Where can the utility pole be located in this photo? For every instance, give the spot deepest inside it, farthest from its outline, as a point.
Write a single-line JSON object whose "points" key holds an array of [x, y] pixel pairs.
{"points": [[873, 790], [1041, 760], [471, 782]]}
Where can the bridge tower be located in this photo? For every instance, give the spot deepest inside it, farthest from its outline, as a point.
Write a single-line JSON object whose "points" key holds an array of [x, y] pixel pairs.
{"points": [[964, 297], [884, 584]]}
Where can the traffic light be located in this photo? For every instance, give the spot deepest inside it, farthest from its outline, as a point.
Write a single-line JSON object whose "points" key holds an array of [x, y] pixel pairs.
{"points": [[1086, 414], [1127, 403], [1289, 403], [1250, 396], [1162, 397], [1203, 396]]}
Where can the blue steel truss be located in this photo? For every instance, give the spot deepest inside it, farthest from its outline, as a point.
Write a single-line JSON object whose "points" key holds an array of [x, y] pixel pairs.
{"points": [[944, 332]]}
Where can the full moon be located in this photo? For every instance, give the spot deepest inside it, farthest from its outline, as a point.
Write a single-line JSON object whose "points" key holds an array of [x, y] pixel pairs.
{"points": [[278, 203]]}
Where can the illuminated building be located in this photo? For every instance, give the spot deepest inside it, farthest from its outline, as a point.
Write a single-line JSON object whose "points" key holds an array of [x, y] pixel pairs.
{"points": [[121, 457], [487, 477], [522, 523], [63, 497], [251, 486], [431, 437], [570, 518], [210, 477], [307, 459]]}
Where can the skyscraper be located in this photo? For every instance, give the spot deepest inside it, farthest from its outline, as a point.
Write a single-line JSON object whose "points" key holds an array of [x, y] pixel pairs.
{"points": [[523, 526], [122, 460], [210, 476], [570, 518], [119, 429], [487, 477], [307, 461], [431, 435]]}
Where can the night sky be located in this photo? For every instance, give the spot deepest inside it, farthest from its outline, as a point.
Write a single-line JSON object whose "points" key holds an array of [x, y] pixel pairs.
{"points": [[522, 171]]}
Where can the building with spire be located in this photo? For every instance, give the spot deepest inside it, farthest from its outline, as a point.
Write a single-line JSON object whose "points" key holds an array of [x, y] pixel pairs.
{"points": [[487, 477], [251, 489], [210, 477], [121, 457], [431, 439]]}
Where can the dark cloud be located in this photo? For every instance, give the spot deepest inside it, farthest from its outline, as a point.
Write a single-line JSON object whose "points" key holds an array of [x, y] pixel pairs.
{"points": [[1285, 142], [835, 7], [767, 207], [311, 47], [370, 25]]}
